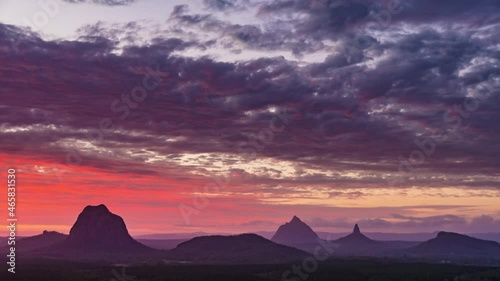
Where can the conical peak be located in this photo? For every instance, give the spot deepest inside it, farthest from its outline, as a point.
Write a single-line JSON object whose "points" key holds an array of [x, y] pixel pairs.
{"points": [[356, 229], [294, 231]]}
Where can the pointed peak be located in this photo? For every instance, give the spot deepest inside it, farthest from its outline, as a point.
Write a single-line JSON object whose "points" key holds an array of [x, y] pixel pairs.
{"points": [[356, 229], [294, 231]]}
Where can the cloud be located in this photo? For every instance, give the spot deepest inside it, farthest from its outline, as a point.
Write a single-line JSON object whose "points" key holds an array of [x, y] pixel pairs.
{"points": [[219, 4], [103, 2], [349, 195], [305, 27], [318, 129], [258, 224], [218, 107]]}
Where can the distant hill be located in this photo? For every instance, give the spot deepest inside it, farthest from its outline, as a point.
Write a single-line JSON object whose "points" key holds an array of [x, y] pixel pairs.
{"points": [[243, 248], [410, 237], [492, 236], [161, 244], [32, 243], [449, 243], [294, 232], [44, 240], [378, 236], [173, 236], [266, 234]]}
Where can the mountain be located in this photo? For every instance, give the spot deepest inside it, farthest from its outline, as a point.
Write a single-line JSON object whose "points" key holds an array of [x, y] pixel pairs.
{"points": [[381, 236], [356, 238], [357, 244], [161, 244], [98, 231], [44, 240], [410, 237], [295, 232], [449, 243], [266, 234], [32, 243], [486, 236], [173, 236], [243, 248]]}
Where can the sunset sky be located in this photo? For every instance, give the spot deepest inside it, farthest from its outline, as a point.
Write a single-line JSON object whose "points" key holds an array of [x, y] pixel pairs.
{"points": [[233, 116]]}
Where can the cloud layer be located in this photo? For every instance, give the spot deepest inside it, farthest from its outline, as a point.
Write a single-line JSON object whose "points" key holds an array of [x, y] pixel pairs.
{"points": [[405, 96], [103, 2]]}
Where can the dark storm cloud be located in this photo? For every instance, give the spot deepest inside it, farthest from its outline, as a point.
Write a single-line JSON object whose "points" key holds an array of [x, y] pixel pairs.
{"points": [[230, 6], [475, 13], [328, 17], [270, 37], [347, 114], [219, 4], [302, 26]]}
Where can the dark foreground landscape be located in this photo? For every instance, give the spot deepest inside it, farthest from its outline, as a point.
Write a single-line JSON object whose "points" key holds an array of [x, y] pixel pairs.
{"points": [[233, 140], [334, 269], [99, 247]]}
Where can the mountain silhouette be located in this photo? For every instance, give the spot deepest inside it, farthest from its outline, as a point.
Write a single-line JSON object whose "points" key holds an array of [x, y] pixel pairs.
{"points": [[243, 248], [357, 243], [99, 234], [41, 241], [449, 243], [161, 244], [97, 230], [356, 238], [294, 232]]}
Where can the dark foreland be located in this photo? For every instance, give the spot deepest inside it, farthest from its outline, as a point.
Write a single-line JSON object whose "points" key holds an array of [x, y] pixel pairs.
{"points": [[99, 247]]}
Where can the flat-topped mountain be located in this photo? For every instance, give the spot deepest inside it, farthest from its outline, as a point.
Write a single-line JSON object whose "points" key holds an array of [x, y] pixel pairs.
{"points": [[243, 248], [449, 243], [294, 232], [97, 230]]}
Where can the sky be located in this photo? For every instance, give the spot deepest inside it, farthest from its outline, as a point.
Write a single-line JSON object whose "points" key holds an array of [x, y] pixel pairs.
{"points": [[234, 116]]}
